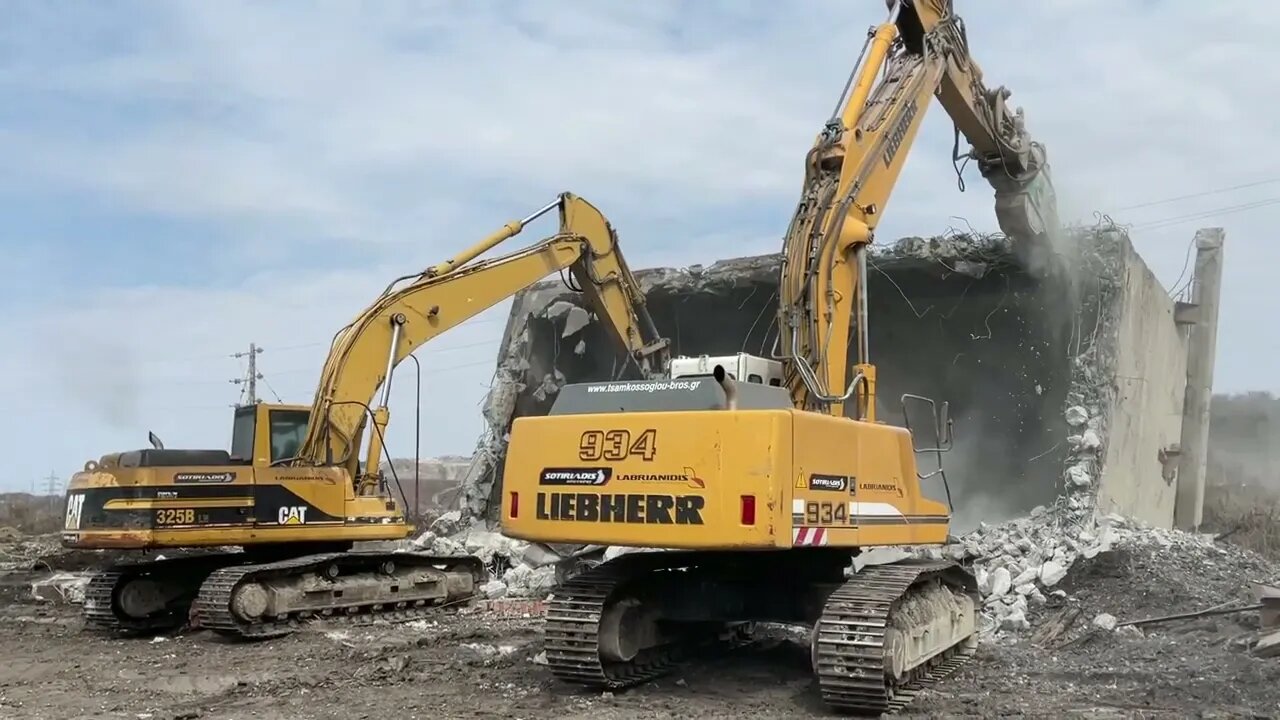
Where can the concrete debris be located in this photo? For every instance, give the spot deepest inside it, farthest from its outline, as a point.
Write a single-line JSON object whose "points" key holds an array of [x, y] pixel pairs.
{"points": [[538, 555], [519, 569], [1012, 578], [448, 524], [1077, 416], [1268, 646], [1051, 573], [1000, 583], [1090, 440], [882, 556], [61, 588], [1130, 631], [485, 650], [485, 545], [614, 551], [1016, 620], [1079, 476], [1025, 577], [493, 589], [578, 319], [559, 309]]}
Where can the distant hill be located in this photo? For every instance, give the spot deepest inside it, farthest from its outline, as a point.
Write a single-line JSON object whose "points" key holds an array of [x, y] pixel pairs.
{"points": [[1244, 440], [30, 514]]}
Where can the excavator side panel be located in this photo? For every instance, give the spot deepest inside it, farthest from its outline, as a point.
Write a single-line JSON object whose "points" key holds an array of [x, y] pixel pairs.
{"points": [[204, 506], [854, 484], [715, 480], [677, 479]]}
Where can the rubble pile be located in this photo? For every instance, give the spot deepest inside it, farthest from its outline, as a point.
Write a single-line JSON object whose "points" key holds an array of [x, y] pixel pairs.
{"points": [[1113, 568], [517, 568]]}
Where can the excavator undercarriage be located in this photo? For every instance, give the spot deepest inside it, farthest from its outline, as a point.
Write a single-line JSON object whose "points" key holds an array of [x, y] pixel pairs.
{"points": [[246, 595], [878, 637]]}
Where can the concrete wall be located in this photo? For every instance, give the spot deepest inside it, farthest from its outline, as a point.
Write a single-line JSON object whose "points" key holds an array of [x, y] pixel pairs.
{"points": [[1064, 389], [1138, 477]]}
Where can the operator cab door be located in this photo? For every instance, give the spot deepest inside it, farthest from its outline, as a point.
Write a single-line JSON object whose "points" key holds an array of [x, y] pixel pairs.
{"points": [[269, 434]]}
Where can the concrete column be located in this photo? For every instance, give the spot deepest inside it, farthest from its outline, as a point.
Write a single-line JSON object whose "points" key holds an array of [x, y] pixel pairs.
{"points": [[1201, 349]]}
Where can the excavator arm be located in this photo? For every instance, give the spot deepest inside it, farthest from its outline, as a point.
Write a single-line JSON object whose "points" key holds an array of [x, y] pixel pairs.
{"points": [[920, 52], [365, 352]]}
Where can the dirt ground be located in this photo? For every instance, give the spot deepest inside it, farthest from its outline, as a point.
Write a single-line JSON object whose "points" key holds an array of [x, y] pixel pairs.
{"points": [[480, 666]]}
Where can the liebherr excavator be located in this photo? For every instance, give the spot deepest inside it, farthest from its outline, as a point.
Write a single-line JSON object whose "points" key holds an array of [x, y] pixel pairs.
{"points": [[751, 472], [292, 492]]}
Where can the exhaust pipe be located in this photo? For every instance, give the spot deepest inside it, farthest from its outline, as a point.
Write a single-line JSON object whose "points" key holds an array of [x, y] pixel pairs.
{"points": [[729, 386]]}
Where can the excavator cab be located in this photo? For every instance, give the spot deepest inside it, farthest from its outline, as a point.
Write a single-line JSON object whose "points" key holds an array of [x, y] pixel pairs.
{"points": [[262, 434]]}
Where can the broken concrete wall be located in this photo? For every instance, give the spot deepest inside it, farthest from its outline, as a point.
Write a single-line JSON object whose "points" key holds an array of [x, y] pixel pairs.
{"points": [[1029, 365], [1149, 380]]}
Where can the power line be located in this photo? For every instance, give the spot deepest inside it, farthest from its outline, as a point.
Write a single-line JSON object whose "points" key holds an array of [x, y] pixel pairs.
{"points": [[299, 346], [1204, 214], [1203, 193]]}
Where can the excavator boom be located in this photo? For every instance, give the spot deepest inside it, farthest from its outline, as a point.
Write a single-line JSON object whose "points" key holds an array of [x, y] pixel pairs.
{"points": [[920, 52], [403, 318]]}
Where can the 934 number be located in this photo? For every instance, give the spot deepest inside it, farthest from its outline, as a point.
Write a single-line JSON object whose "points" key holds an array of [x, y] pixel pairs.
{"points": [[595, 445], [826, 513], [176, 516]]}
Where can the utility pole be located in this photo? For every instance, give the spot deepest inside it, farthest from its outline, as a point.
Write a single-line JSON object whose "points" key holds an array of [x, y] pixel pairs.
{"points": [[254, 375], [53, 488], [1201, 313]]}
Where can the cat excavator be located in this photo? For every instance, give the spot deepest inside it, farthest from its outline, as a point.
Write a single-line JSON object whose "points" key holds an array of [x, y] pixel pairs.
{"points": [[762, 480], [272, 524]]}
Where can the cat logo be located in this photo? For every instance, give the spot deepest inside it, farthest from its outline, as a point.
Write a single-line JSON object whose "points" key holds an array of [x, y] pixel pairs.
{"points": [[75, 505], [293, 515]]}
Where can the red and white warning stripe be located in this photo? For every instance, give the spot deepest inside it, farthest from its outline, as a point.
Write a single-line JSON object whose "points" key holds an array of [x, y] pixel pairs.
{"points": [[806, 536]]}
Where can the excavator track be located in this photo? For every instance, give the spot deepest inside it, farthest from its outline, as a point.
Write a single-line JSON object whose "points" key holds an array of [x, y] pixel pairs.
{"points": [[279, 597], [173, 584], [850, 638], [573, 643]]}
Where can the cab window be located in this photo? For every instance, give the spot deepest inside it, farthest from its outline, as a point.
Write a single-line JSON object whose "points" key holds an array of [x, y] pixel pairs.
{"points": [[242, 433], [288, 430]]}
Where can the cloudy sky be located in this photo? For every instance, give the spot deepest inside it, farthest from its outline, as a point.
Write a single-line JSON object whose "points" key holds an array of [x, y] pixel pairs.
{"points": [[183, 178]]}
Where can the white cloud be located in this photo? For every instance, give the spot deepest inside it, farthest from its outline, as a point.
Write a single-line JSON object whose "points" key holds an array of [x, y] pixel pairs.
{"points": [[344, 144]]}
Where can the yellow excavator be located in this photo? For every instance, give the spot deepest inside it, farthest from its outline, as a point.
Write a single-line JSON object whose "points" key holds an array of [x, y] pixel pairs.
{"points": [[279, 514], [751, 473]]}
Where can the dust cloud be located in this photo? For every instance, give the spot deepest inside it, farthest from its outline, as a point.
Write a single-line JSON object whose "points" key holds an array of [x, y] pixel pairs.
{"points": [[98, 374]]}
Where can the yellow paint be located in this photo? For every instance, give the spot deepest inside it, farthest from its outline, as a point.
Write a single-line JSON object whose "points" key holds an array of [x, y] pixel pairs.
{"points": [[726, 449]]}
